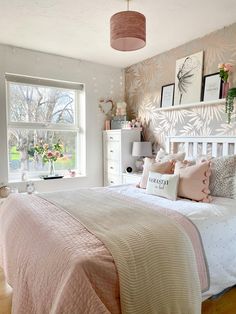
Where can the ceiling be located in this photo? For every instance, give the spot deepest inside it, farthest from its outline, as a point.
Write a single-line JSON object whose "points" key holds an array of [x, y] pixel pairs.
{"points": [[80, 29]]}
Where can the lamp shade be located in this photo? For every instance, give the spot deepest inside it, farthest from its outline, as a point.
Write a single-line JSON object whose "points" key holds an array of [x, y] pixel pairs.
{"points": [[142, 149], [128, 30]]}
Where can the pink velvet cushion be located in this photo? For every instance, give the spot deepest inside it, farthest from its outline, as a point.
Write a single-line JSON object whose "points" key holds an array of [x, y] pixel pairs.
{"points": [[160, 167], [194, 180]]}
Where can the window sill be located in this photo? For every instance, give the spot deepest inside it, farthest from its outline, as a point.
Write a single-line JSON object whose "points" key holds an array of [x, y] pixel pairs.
{"points": [[37, 179]]}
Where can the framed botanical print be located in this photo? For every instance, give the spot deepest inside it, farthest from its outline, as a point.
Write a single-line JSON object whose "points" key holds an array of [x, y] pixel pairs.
{"points": [[212, 87], [167, 95], [188, 79]]}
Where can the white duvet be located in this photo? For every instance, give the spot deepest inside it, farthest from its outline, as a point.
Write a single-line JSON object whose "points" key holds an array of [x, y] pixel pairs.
{"points": [[216, 223]]}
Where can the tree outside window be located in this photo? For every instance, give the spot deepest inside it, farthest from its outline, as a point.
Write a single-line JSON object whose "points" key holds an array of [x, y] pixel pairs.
{"points": [[41, 114]]}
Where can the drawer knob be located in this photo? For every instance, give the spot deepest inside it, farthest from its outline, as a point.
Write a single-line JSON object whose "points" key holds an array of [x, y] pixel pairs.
{"points": [[111, 138], [111, 167], [111, 181], [111, 151]]}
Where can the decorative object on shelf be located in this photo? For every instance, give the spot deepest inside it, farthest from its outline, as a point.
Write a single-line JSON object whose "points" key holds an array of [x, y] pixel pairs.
{"points": [[49, 153], [141, 150], [118, 122], [106, 107], [225, 70], [24, 176], [128, 30], [229, 105], [121, 108], [167, 95], [188, 79], [30, 188], [225, 89], [135, 123], [107, 125], [72, 173], [212, 87], [4, 190]]}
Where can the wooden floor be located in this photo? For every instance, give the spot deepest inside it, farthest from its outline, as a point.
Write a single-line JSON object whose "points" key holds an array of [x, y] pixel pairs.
{"points": [[5, 295], [226, 304]]}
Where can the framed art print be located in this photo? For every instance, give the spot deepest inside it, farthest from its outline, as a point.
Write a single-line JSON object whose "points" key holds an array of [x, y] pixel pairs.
{"points": [[212, 87], [188, 79], [167, 95]]}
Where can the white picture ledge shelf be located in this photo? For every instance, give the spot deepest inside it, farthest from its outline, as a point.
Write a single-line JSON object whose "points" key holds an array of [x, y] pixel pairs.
{"points": [[196, 104]]}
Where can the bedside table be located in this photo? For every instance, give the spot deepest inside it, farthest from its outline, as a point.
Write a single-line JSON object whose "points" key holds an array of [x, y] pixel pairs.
{"points": [[131, 178]]}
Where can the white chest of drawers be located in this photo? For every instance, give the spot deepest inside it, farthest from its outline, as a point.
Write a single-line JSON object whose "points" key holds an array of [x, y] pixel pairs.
{"points": [[117, 153]]}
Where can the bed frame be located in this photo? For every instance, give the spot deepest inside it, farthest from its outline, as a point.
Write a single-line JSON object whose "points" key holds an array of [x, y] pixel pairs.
{"points": [[213, 146]]}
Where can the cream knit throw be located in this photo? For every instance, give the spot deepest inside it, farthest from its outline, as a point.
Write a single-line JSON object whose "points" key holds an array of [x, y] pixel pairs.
{"points": [[154, 257]]}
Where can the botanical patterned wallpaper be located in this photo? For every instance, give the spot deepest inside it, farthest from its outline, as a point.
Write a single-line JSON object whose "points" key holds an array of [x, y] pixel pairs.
{"points": [[145, 79]]}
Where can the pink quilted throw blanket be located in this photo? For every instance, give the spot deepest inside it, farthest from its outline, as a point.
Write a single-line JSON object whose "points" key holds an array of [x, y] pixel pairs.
{"points": [[55, 265]]}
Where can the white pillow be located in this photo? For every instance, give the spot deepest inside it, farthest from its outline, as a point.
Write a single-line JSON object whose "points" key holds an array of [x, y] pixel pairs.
{"points": [[164, 185], [163, 156]]}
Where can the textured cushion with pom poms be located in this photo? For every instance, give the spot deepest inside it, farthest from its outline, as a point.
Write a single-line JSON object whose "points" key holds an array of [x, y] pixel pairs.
{"points": [[194, 180]]}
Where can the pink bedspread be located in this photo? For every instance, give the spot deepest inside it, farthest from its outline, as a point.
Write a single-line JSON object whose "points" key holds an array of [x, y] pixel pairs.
{"points": [[53, 263]]}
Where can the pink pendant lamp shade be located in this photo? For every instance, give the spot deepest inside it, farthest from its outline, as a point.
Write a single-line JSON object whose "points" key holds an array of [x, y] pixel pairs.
{"points": [[128, 31]]}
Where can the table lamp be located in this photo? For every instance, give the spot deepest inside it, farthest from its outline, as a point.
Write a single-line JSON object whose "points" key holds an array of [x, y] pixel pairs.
{"points": [[141, 149]]}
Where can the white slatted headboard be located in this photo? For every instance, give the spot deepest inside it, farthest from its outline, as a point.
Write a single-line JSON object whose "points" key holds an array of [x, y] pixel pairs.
{"points": [[200, 145]]}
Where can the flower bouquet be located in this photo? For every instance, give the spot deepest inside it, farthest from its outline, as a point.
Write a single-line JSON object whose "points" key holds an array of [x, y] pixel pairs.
{"points": [[225, 69], [49, 153]]}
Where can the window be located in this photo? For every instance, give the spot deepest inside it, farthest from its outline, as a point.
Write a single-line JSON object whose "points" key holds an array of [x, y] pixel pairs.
{"points": [[44, 112]]}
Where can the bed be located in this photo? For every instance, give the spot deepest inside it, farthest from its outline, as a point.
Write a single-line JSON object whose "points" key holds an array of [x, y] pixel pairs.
{"points": [[95, 287]]}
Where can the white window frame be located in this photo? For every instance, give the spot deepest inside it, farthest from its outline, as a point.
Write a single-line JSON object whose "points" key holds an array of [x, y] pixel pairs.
{"points": [[79, 118]]}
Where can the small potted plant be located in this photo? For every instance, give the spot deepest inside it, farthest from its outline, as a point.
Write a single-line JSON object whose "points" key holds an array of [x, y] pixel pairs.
{"points": [[229, 106]]}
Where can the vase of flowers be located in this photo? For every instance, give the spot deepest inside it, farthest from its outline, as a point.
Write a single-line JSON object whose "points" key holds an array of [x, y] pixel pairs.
{"points": [[49, 154], [51, 168], [225, 69]]}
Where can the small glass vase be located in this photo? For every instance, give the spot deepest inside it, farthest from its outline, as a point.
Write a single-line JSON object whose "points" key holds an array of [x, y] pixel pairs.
{"points": [[225, 89], [51, 168]]}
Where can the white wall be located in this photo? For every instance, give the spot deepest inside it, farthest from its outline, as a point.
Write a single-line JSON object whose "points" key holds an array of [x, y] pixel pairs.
{"points": [[100, 82]]}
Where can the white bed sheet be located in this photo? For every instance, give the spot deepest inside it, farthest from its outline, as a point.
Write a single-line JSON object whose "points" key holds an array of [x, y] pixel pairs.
{"points": [[216, 223]]}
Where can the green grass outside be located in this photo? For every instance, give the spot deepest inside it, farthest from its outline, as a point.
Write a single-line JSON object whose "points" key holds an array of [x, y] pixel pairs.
{"points": [[14, 154], [60, 164]]}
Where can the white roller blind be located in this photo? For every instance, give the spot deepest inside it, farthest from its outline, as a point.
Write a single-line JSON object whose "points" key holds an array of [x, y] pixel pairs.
{"points": [[43, 82]]}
